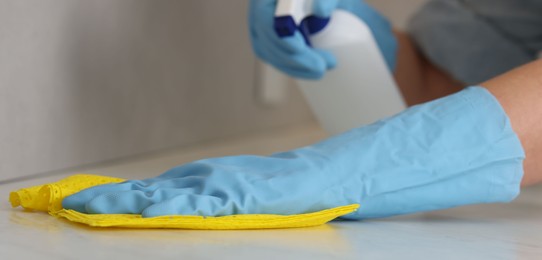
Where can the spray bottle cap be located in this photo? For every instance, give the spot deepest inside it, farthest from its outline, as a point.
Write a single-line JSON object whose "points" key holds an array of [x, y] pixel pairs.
{"points": [[296, 15]]}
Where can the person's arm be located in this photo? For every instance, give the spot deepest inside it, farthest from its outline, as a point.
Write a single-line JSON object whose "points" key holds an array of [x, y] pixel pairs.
{"points": [[465, 148], [418, 79], [520, 94]]}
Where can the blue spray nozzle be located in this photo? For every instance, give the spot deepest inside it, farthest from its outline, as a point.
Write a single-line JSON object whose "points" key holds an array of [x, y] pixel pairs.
{"points": [[286, 26]]}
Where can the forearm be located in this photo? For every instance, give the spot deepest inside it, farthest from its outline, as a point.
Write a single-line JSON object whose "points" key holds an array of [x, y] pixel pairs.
{"points": [[418, 79], [520, 93]]}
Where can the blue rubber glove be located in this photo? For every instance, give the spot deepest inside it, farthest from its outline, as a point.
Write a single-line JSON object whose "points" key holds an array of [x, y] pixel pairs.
{"points": [[454, 151], [293, 56]]}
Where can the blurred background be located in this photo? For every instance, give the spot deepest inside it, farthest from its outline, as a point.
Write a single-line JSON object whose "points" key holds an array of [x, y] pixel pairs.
{"points": [[84, 82]]}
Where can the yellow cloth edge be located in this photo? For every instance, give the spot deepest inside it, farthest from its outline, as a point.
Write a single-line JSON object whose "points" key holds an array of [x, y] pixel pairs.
{"points": [[48, 197], [253, 221]]}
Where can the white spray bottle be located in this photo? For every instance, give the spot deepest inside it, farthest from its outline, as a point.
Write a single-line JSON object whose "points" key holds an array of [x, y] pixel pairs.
{"points": [[361, 89]]}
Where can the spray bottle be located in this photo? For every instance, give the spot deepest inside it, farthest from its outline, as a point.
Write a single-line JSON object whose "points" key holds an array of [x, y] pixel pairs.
{"points": [[361, 89]]}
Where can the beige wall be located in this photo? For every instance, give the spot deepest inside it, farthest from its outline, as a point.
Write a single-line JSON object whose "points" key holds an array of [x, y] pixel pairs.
{"points": [[399, 11], [92, 80], [88, 81]]}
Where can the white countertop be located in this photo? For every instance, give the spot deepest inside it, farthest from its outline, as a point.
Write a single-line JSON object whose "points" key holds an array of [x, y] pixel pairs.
{"points": [[500, 231]]}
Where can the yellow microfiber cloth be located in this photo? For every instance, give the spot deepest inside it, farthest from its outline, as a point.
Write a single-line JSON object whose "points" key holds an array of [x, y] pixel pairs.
{"points": [[48, 197]]}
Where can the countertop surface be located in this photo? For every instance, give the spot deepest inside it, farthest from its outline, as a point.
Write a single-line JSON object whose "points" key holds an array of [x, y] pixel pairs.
{"points": [[499, 231]]}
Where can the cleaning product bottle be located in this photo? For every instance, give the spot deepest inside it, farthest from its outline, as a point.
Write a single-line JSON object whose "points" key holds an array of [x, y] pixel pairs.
{"points": [[361, 89]]}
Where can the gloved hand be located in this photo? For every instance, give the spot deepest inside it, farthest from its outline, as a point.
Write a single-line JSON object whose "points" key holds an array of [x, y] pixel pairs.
{"points": [[293, 56], [454, 151]]}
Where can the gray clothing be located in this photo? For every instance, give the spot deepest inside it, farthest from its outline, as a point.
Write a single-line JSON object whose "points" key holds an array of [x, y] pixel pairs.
{"points": [[475, 40]]}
